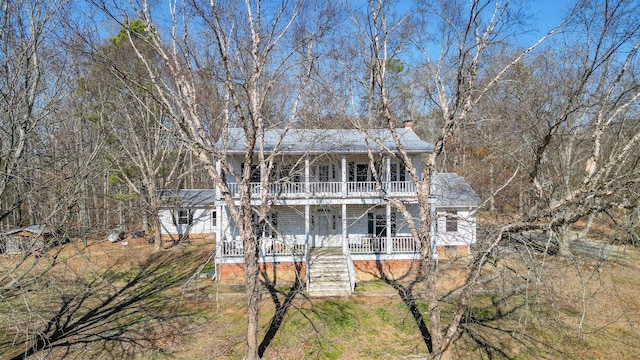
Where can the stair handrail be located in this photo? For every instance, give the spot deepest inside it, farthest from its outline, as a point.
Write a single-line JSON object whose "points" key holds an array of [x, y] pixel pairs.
{"points": [[351, 269], [307, 256]]}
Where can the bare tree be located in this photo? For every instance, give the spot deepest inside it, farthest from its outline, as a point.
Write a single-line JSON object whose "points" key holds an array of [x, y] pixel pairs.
{"points": [[250, 50], [457, 83], [584, 159], [143, 153]]}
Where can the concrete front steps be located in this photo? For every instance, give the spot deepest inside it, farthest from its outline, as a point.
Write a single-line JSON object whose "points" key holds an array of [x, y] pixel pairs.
{"points": [[328, 273]]}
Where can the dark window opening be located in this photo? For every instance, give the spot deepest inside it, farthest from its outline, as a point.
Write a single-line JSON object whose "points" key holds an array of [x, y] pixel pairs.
{"points": [[377, 224], [452, 221], [255, 173], [398, 172], [362, 172], [184, 216], [267, 228]]}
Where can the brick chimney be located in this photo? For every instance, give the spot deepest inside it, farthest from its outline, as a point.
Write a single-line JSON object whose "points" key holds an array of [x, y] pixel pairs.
{"points": [[408, 124]]}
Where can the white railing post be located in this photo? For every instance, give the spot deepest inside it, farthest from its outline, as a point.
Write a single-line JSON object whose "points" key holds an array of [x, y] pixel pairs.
{"points": [[387, 173], [345, 239], [388, 220], [306, 174], [219, 172], [344, 176]]}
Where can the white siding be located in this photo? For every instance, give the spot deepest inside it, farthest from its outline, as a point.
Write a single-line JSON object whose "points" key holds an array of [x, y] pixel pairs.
{"points": [[466, 234], [202, 223], [291, 224], [357, 219]]}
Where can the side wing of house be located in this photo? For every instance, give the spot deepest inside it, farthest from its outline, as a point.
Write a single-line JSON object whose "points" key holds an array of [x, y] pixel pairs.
{"points": [[456, 227], [188, 214], [455, 210]]}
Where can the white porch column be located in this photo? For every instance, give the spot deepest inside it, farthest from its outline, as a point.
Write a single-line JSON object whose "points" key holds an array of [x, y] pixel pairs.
{"points": [[344, 176], [306, 175], [433, 231], [345, 241], [219, 222], [307, 225], [387, 174], [219, 172], [389, 242]]}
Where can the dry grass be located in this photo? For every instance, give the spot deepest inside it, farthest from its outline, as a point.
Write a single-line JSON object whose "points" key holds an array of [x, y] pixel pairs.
{"points": [[128, 302]]}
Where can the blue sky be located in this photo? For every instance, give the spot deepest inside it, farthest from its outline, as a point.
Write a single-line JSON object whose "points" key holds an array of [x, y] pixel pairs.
{"points": [[547, 14]]}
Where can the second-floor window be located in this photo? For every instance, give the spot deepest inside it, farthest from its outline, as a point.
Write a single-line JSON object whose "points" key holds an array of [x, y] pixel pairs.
{"points": [[361, 172], [398, 172], [286, 173], [255, 173], [326, 172]]}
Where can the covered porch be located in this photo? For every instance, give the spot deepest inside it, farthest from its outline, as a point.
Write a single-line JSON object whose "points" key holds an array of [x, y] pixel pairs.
{"points": [[356, 245], [293, 231]]}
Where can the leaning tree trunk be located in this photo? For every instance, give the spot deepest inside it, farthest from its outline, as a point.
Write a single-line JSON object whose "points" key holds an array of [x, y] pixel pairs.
{"points": [[565, 238]]}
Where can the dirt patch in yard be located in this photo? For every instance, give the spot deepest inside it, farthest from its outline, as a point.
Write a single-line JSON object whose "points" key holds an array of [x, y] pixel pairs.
{"points": [[131, 302]]}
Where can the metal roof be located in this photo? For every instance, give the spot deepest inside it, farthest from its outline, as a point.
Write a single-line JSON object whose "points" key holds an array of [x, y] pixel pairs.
{"points": [[191, 198], [450, 189], [34, 229], [321, 141]]}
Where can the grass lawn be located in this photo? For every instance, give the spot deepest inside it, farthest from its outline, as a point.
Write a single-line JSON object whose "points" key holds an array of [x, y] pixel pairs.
{"points": [[112, 301]]}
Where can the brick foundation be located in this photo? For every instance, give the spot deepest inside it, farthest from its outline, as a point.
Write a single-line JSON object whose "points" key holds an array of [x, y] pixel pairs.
{"points": [[277, 272], [366, 270]]}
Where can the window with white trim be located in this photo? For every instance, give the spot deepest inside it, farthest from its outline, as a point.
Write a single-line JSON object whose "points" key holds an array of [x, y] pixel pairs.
{"points": [[183, 216], [451, 221], [398, 172], [377, 224], [267, 228]]}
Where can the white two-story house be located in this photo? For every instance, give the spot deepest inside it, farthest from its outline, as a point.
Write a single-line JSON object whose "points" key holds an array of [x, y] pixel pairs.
{"points": [[323, 194]]}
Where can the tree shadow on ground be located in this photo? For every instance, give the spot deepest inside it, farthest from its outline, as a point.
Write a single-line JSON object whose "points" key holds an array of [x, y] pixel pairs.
{"points": [[117, 313], [485, 322], [282, 300]]}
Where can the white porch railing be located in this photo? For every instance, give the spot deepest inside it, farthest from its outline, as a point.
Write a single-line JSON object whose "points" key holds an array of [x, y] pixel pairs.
{"points": [[368, 245], [404, 244], [268, 247], [232, 248], [379, 245], [401, 187], [361, 187], [328, 188], [286, 188], [356, 245]]}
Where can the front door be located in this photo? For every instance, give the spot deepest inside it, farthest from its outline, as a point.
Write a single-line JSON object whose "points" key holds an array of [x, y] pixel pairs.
{"points": [[325, 229]]}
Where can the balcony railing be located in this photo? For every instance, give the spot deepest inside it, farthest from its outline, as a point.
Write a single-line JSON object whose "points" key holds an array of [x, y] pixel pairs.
{"points": [[328, 189]]}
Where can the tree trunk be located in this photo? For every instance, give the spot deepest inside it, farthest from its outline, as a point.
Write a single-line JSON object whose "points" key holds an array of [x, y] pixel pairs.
{"points": [[565, 238], [253, 288]]}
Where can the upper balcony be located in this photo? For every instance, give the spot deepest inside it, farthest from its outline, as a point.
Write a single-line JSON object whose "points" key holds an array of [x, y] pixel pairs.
{"points": [[330, 189]]}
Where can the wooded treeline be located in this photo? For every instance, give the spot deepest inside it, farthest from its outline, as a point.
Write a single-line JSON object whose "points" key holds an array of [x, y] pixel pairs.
{"points": [[85, 140]]}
